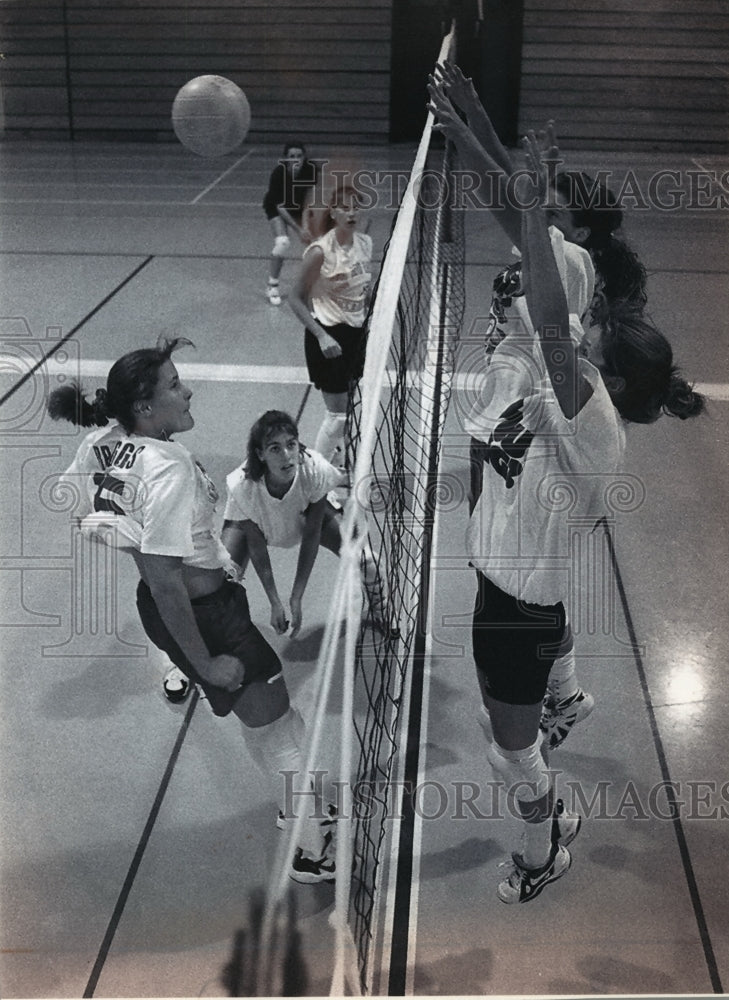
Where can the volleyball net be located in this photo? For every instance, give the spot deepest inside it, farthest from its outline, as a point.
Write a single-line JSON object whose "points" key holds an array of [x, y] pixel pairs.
{"points": [[395, 424]]}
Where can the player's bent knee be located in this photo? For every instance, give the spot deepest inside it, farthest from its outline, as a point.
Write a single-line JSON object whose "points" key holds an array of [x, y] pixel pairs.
{"points": [[524, 772], [263, 703], [280, 246]]}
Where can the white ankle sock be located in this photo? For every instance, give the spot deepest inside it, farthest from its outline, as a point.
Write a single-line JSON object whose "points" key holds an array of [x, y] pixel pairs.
{"points": [[537, 843], [563, 677]]}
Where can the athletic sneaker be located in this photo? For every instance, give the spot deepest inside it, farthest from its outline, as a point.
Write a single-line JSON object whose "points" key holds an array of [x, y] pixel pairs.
{"points": [[558, 717], [524, 884], [310, 870], [565, 825], [176, 685], [273, 295]]}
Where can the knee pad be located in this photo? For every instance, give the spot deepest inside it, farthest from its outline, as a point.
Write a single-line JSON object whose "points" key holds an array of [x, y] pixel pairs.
{"points": [[280, 246], [524, 771], [335, 422], [331, 436]]}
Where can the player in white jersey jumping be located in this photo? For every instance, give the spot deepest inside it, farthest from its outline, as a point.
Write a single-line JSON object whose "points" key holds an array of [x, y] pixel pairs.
{"points": [[144, 493]]}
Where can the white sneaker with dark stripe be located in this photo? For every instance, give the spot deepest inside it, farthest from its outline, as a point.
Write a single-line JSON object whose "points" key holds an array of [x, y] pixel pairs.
{"points": [[524, 884], [558, 717], [310, 870], [176, 685]]}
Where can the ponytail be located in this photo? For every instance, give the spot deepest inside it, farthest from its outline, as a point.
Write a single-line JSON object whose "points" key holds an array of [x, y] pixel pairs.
{"points": [[69, 402], [682, 400], [639, 360], [621, 277]]}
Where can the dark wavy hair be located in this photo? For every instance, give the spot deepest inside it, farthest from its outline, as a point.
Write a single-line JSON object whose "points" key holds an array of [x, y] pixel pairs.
{"points": [[270, 423], [131, 379], [640, 355], [621, 275]]}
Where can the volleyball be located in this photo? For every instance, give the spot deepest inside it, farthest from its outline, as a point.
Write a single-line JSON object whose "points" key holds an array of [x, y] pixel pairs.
{"points": [[211, 115]]}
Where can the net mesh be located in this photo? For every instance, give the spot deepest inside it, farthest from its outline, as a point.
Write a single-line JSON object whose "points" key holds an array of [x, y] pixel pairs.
{"points": [[398, 495], [395, 422]]}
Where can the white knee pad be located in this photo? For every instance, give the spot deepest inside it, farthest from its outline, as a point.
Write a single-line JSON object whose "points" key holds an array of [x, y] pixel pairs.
{"points": [[331, 436], [524, 771], [280, 246]]}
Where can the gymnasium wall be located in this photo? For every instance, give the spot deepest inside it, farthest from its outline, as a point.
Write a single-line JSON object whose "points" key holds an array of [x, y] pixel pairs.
{"points": [[96, 68], [616, 74], [628, 74]]}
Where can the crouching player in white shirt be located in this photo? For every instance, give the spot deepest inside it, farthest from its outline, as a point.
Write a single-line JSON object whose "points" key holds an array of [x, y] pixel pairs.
{"points": [[280, 496]]}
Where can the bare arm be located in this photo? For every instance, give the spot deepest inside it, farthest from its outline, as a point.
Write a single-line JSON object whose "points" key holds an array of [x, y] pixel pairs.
{"points": [[314, 518], [478, 159], [288, 219], [300, 301], [164, 578], [245, 538], [546, 298], [462, 93]]}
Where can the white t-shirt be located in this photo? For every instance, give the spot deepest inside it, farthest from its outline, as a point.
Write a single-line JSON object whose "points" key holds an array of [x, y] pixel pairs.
{"points": [[340, 293], [546, 480], [280, 520], [150, 495]]}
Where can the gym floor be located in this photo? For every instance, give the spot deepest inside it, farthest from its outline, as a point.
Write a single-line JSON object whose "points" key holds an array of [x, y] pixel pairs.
{"points": [[136, 834]]}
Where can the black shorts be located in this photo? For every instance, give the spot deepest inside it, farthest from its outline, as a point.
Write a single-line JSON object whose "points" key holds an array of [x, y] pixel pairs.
{"points": [[514, 644], [225, 624], [336, 375]]}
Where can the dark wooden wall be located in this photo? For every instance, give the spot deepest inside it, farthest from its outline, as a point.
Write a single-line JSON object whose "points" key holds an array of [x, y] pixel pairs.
{"points": [[628, 74], [318, 68], [616, 74]]}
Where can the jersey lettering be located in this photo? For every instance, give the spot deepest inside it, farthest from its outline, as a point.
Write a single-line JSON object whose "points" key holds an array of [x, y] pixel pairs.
{"points": [[123, 455], [509, 443], [107, 487]]}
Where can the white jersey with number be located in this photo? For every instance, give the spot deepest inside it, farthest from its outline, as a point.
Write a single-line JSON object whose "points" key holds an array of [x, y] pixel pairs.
{"points": [[281, 520], [146, 494], [340, 292]]}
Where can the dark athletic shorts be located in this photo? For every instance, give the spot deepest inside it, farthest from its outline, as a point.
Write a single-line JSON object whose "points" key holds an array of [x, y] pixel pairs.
{"points": [[336, 374], [225, 624], [514, 644]]}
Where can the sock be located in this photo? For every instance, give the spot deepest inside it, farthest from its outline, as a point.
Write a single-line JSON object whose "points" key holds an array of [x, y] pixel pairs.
{"points": [[536, 843], [330, 438], [276, 748], [563, 677], [273, 282]]}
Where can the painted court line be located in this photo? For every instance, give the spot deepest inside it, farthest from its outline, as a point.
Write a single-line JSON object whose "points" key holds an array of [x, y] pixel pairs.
{"points": [[271, 374], [220, 178]]}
